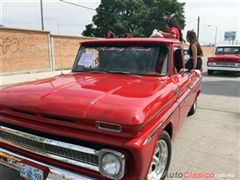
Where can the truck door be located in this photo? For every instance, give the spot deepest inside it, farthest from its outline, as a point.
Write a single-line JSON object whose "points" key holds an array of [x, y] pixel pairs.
{"points": [[183, 81]]}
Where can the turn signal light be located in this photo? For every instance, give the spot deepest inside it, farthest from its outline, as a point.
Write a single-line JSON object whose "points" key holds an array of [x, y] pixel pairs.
{"points": [[105, 126]]}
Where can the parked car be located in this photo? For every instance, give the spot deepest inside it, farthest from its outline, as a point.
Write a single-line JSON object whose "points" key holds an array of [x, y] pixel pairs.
{"points": [[226, 58], [113, 117]]}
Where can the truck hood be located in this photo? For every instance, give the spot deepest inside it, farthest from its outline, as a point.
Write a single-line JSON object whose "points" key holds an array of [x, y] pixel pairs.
{"points": [[225, 58], [85, 98]]}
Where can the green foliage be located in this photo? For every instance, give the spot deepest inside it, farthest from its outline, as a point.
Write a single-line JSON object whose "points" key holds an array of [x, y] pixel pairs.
{"points": [[136, 17]]}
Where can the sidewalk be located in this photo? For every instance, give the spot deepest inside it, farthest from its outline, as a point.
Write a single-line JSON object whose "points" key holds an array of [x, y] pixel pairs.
{"points": [[7, 80]]}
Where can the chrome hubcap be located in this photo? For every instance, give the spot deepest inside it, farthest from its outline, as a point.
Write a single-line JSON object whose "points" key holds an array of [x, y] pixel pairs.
{"points": [[195, 105], [159, 161]]}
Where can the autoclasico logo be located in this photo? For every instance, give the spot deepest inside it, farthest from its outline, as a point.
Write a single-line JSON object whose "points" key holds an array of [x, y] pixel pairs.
{"points": [[197, 175]]}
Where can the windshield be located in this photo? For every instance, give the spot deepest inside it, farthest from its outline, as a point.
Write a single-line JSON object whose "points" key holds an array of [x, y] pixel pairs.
{"points": [[140, 60], [228, 50]]}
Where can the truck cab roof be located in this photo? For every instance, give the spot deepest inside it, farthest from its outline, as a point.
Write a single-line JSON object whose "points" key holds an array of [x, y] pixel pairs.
{"points": [[128, 41]]}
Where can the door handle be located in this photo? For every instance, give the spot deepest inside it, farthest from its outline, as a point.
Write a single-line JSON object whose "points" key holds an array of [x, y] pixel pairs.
{"points": [[177, 91]]}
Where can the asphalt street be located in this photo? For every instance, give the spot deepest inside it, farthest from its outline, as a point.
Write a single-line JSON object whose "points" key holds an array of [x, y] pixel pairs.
{"points": [[209, 140]]}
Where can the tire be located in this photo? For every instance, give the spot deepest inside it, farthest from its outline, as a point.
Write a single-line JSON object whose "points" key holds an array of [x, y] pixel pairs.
{"points": [[162, 153], [193, 108], [210, 72]]}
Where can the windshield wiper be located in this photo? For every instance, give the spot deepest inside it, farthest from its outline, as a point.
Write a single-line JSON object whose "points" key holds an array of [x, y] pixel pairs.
{"points": [[134, 74], [123, 72], [90, 71], [158, 75]]}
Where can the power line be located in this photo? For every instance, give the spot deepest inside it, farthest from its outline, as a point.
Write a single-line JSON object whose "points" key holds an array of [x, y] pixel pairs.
{"points": [[123, 17], [85, 7], [108, 13]]}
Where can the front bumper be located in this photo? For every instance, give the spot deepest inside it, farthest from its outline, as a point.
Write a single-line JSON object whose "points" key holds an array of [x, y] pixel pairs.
{"points": [[223, 68], [13, 160]]}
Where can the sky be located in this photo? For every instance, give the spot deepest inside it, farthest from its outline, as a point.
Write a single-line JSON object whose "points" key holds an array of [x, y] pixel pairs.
{"points": [[216, 16]]}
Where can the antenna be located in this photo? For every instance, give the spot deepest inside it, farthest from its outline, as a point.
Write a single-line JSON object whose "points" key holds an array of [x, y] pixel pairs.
{"points": [[60, 51]]}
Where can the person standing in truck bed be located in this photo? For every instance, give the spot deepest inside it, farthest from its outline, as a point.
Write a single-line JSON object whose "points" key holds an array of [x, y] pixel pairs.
{"points": [[173, 30]]}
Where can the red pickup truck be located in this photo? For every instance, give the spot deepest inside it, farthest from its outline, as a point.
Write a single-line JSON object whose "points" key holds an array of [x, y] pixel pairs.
{"points": [[112, 117], [226, 58]]}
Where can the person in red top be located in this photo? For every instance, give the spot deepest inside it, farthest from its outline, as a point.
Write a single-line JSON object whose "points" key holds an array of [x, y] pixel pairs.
{"points": [[109, 35], [173, 30]]}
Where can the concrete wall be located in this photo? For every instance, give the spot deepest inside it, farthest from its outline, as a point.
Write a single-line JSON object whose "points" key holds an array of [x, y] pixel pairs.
{"points": [[65, 49], [23, 50], [208, 50]]}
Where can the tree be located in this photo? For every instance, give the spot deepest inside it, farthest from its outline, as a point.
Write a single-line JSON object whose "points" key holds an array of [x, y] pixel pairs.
{"points": [[136, 17]]}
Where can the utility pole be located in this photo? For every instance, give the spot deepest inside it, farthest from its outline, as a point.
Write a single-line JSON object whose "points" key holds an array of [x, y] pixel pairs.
{"points": [[198, 24], [41, 6]]}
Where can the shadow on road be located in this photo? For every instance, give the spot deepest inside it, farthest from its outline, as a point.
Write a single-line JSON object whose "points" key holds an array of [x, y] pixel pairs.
{"points": [[222, 88], [223, 74]]}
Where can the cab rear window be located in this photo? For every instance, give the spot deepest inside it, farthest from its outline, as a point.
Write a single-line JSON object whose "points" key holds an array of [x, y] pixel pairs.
{"points": [[228, 50]]}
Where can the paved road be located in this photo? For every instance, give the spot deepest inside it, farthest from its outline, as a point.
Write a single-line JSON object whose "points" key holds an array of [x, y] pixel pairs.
{"points": [[209, 140]]}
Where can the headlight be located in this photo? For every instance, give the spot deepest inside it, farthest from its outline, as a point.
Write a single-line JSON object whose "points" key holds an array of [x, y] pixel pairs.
{"points": [[211, 64], [111, 164]]}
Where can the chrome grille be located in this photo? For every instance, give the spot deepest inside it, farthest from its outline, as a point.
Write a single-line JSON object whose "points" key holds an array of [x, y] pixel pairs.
{"points": [[66, 152], [227, 64]]}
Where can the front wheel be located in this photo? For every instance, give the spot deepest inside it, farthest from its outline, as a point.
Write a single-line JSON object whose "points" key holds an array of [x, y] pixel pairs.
{"points": [[161, 158], [193, 108]]}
